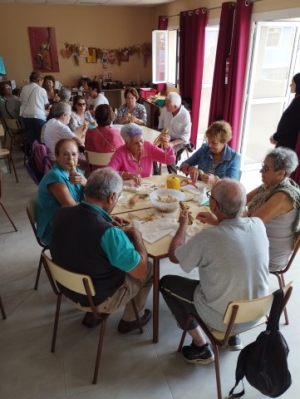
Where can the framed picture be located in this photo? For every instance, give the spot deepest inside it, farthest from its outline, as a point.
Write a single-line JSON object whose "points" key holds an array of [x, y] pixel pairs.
{"points": [[92, 55], [43, 49]]}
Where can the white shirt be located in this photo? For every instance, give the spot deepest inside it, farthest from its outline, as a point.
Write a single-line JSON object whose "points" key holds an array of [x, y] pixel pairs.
{"points": [[179, 125], [54, 131], [33, 100], [100, 99]]}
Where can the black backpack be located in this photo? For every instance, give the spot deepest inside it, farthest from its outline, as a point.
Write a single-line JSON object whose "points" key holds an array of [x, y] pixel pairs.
{"points": [[264, 362]]}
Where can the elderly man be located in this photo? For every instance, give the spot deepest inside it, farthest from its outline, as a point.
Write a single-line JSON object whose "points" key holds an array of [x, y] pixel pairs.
{"points": [[177, 120], [229, 268], [86, 239], [95, 97]]}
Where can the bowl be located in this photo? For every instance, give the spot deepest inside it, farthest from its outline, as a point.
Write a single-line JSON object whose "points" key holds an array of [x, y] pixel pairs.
{"points": [[163, 193]]}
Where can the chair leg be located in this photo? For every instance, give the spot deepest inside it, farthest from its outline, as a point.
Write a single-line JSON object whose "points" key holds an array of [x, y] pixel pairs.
{"points": [[217, 369], [38, 273], [282, 284], [2, 309], [13, 165], [137, 316], [99, 350], [186, 327], [7, 214], [56, 322]]}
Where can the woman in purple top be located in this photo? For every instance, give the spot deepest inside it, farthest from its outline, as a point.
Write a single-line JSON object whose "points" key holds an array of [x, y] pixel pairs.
{"points": [[134, 159]]}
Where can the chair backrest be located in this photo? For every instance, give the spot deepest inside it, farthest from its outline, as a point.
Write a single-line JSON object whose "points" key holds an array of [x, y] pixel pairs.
{"points": [[31, 213], [97, 158], [72, 281], [13, 124], [294, 253], [252, 309]]}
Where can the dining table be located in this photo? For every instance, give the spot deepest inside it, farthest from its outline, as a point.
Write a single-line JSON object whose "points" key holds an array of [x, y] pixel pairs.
{"points": [[157, 242]]}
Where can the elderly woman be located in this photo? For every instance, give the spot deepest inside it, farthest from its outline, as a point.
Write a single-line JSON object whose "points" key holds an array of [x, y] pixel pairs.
{"points": [[134, 159], [277, 203], [80, 115], [289, 125], [48, 85], [62, 185], [104, 138], [131, 111], [9, 103], [57, 128], [215, 158]]}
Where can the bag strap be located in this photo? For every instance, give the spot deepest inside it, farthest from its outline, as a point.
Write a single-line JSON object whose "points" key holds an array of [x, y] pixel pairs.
{"points": [[273, 321], [238, 394]]}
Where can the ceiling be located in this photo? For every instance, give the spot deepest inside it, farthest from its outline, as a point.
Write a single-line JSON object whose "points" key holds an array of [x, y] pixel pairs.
{"points": [[128, 3]]}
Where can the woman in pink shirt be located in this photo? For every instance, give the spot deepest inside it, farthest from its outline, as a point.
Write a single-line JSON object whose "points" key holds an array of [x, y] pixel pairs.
{"points": [[104, 138], [134, 159]]}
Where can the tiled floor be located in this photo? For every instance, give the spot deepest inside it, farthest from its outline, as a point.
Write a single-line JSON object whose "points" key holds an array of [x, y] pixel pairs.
{"points": [[131, 366]]}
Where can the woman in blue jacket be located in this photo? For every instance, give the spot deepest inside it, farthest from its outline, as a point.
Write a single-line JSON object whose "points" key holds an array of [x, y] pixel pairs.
{"points": [[214, 159]]}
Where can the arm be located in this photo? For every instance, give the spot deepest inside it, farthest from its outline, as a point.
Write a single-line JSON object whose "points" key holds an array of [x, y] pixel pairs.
{"points": [[61, 193], [140, 271], [166, 156], [279, 204], [180, 236], [251, 194], [233, 170]]}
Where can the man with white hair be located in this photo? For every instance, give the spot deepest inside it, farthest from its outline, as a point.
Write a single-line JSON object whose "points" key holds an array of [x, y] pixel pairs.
{"points": [[229, 268], [177, 120]]}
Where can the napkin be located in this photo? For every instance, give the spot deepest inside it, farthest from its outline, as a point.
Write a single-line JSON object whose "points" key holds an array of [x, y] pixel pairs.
{"points": [[156, 229]]}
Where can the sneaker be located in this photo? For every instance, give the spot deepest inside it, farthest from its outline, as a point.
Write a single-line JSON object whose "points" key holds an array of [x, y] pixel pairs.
{"points": [[198, 354], [235, 343]]}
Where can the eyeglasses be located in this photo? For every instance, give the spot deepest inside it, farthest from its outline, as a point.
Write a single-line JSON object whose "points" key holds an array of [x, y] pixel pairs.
{"points": [[266, 168], [81, 104], [67, 154], [209, 196]]}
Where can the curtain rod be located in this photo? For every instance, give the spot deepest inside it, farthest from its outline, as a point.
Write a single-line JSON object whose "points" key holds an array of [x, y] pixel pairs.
{"points": [[206, 9], [248, 2]]}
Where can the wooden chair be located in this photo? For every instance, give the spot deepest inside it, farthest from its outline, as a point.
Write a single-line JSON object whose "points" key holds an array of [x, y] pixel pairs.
{"points": [[242, 311], [15, 132], [31, 213], [2, 133], [2, 309], [97, 158], [81, 284], [6, 155], [4, 209], [280, 273]]}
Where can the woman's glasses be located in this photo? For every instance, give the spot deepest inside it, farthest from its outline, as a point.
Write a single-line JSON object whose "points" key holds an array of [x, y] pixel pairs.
{"points": [[81, 104]]}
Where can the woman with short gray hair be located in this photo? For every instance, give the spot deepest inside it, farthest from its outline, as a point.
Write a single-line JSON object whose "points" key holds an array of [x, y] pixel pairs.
{"points": [[277, 203], [134, 159], [57, 128]]}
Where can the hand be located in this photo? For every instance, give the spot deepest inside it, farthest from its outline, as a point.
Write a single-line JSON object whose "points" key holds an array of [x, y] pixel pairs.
{"points": [[207, 217], [136, 178], [272, 141], [77, 178], [120, 222], [193, 171], [183, 219], [208, 178], [165, 140], [133, 233], [56, 98]]}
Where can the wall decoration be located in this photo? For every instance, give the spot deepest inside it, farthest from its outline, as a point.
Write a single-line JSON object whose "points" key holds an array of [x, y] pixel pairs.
{"points": [[43, 49], [92, 55], [109, 55]]}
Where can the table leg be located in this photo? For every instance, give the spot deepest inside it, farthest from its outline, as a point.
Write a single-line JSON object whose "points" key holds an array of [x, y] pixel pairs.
{"points": [[155, 299]]}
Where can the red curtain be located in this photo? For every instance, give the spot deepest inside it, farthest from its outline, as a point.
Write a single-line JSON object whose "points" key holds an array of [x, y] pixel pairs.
{"points": [[223, 50], [162, 25], [237, 69], [192, 39]]}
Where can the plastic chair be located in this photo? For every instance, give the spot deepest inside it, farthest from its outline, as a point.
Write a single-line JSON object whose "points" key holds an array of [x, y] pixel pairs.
{"points": [[3, 207], [280, 273], [2, 309], [31, 213], [82, 284], [242, 311], [100, 159]]}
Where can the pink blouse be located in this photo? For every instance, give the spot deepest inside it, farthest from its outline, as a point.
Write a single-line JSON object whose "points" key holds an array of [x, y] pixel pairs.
{"points": [[123, 161]]}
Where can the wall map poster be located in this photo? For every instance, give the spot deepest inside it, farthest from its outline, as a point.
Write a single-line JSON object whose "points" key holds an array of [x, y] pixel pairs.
{"points": [[43, 49]]}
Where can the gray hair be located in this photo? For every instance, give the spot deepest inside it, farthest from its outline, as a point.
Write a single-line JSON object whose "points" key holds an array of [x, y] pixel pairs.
{"points": [[174, 98], [231, 197], [130, 130], [283, 159], [64, 94], [60, 109], [103, 182]]}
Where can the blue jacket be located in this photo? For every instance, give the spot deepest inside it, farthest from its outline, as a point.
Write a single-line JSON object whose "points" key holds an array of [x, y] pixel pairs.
{"points": [[228, 167]]}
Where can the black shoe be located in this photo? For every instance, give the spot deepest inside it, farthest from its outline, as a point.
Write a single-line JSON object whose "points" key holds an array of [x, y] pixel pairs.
{"points": [[127, 326], [235, 343], [90, 321], [198, 354]]}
